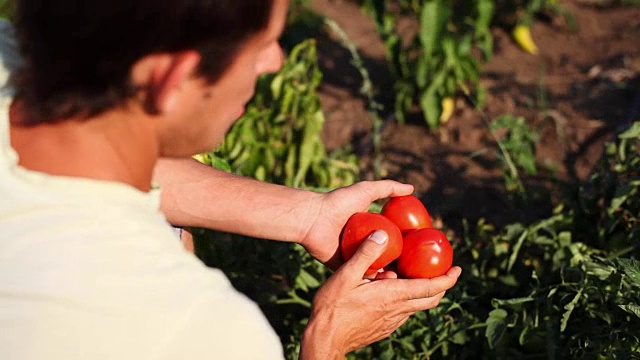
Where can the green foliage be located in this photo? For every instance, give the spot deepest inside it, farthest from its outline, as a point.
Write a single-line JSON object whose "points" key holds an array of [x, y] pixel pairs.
{"points": [[6, 9], [442, 58], [609, 201], [303, 23], [564, 287], [517, 144], [439, 59], [278, 139], [524, 12], [515, 149]]}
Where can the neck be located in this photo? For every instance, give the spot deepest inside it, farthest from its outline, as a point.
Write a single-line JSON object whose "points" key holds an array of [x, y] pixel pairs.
{"points": [[116, 146]]}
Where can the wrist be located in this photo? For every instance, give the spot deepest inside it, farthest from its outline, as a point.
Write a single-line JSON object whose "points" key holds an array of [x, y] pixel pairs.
{"points": [[318, 343], [313, 209]]}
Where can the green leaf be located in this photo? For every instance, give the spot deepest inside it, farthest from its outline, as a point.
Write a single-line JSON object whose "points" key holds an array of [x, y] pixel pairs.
{"points": [[485, 14], [290, 165], [430, 101], [432, 18], [422, 72], [631, 268], [569, 309], [448, 45], [623, 193], [276, 85], [261, 173], [219, 163], [236, 150], [387, 353], [496, 326], [308, 147], [516, 249], [514, 301], [631, 308], [375, 207], [631, 132], [306, 281], [599, 270]]}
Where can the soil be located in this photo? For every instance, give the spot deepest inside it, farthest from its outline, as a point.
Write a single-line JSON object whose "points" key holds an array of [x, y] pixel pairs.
{"points": [[581, 89]]}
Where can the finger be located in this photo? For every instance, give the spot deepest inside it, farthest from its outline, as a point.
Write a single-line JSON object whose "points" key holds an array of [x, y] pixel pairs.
{"points": [[455, 272], [368, 252], [386, 275], [372, 276], [384, 188], [387, 188], [416, 305], [382, 274], [411, 289]]}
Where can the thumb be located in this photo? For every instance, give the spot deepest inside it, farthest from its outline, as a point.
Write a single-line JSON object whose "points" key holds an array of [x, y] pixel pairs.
{"points": [[368, 252]]}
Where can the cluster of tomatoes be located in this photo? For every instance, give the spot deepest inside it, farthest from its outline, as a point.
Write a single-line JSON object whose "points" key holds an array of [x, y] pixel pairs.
{"points": [[420, 251]]}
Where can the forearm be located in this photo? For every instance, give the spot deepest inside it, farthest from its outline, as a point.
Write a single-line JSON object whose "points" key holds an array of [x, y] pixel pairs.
{"points": [[197, 195]]}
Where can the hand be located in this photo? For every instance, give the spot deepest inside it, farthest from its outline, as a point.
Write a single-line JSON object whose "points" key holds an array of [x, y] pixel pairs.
{"points": [[350, 312], [334, 208]]}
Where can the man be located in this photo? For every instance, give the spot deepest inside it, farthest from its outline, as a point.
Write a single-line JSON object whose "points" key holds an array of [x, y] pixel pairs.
{"points": [[90, 267]]}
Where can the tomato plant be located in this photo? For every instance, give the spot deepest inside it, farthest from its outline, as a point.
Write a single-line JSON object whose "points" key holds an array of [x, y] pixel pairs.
{"points": [[426, 253], [278, 138], [407, 212], [359, 227], [441, 58]]}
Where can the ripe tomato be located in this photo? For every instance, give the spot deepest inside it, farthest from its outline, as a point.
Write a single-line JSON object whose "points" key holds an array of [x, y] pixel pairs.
{"points": [[407, 212], [426, 253], [359, 227]]}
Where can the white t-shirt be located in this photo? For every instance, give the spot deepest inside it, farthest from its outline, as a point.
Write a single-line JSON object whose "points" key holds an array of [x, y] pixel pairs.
{"points": [[91, 270]]}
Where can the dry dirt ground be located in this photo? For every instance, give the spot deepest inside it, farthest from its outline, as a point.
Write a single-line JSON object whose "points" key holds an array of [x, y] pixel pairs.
{"points": [[580, 89]]}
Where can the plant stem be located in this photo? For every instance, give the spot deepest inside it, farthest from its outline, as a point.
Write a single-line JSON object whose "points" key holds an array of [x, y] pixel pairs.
{"points": [[367, 90]]}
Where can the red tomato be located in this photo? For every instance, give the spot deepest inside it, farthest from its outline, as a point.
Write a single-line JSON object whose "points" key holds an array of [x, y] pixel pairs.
{"points": [[426, 253], [359, 227], [407, 212]]}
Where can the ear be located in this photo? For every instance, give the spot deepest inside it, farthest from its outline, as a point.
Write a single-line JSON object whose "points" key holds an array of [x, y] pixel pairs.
{"points": [[162, 75]]}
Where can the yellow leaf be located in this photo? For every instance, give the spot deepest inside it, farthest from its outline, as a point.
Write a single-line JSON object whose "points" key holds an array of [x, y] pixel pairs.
{"points": [[448, 105], [522, 36], [201, 158]]}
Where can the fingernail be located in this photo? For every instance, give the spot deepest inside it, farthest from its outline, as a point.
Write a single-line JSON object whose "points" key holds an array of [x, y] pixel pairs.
{"points": [[379, 237], [455, 271]]}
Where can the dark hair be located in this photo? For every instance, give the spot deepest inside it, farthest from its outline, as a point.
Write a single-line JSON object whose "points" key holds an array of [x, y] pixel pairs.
{"points": [[78, 53]]}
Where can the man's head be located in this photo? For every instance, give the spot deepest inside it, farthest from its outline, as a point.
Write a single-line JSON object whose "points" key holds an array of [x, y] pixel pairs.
{"points": [[79, 54]]}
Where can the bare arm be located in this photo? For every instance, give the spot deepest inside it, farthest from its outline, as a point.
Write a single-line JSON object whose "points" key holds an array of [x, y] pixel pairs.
{"points": [[198, 195]]}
